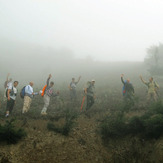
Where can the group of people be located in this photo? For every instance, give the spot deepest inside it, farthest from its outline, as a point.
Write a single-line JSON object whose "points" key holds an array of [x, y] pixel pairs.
{"points": [[27, 93], [128, 89], [47, 92]]}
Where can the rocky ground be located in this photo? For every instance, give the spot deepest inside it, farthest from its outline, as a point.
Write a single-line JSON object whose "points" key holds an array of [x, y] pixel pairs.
{"points": [[83, 144]]}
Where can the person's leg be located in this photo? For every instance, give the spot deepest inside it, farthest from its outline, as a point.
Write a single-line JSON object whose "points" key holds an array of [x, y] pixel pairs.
{"points": [[27, 103], [46, 104], [88, 102], [71, 94], [8, 108], [155, 97], [12, 105], [74, 94], [148, 97], [91, 101]]}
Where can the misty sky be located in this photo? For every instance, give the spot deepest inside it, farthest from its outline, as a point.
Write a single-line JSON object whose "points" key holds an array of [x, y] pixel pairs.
{"points": [[107, 30]]}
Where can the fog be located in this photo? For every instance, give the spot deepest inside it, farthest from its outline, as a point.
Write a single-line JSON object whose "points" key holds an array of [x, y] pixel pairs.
{"points": [[70, 38]]}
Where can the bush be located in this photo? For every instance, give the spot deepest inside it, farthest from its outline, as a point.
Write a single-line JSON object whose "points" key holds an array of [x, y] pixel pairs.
{"points": [[149, 125], [156, 108], [154, 126], [9, 134], [113, 126], [68, 125], [135, 125]]}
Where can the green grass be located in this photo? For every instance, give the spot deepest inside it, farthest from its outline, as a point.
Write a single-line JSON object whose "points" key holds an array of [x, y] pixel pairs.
{"points": [[10, 134]]}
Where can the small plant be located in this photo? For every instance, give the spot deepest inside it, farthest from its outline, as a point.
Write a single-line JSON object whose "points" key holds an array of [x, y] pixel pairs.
{"points": [[135, 125], [68, 125], [149, 125], [113, 126], [9, 133], [154, 126]]}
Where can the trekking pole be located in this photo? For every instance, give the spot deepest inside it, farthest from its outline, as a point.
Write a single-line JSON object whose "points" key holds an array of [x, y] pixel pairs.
{"points": [[82, 103]]}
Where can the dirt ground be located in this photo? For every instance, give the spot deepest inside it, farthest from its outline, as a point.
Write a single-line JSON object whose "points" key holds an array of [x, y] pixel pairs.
{"points": [[42, 146]]}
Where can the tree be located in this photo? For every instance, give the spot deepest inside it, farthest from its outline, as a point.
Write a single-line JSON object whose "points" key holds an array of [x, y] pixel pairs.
{"points": [[154, 59]]}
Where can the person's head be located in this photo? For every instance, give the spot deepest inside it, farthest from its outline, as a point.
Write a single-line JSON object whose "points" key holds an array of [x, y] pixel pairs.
{"points": [[73, 79], [51, 84], [31, 84], [151, 79], [93, 81], [16, 83], [128, 80]]}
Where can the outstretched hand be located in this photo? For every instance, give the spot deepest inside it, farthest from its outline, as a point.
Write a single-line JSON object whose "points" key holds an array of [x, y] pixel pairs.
{"points": [[50, 75], [140, 77]]}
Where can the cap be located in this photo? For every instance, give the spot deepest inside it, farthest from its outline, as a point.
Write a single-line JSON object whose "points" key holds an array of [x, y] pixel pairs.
{"points": [[93, 80]]}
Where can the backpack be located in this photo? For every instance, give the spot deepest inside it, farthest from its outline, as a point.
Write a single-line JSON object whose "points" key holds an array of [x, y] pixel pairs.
{"points": [[123, 88], [43, 91], [11, 93], [22, 93]]}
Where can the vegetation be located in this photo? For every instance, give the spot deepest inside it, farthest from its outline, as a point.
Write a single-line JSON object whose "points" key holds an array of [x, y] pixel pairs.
{"points": [[149, 125], [67, 126], [154, 59], [9, 133]]}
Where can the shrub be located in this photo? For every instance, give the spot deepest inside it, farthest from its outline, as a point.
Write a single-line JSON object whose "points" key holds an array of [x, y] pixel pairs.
{"points": [[113, 126], [156, 108], [68, 125], [149, 125], [154, 126], [9, 133], [135, 125]]}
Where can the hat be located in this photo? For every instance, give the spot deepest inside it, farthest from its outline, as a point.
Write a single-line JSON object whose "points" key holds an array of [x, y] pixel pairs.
{"points": [[93, 80]]}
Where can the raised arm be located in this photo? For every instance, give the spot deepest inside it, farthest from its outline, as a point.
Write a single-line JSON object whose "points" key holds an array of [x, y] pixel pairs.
{"points": [[141, 78], [48, 80], [7, 77], [78, 79], [122, 75]]}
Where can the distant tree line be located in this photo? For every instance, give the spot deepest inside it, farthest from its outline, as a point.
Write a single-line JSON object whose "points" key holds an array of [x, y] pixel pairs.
{"points": [[154, 59]]}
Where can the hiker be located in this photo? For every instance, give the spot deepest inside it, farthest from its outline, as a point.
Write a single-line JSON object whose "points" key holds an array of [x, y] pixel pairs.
{"points": [[48, 93], [90, 93], [152, 89], [7, 84], [72, 88], [11, 97], [128, 89], [29, 94]]}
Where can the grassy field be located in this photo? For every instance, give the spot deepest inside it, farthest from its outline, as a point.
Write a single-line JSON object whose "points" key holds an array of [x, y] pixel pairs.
{"points": [[110, 131]]}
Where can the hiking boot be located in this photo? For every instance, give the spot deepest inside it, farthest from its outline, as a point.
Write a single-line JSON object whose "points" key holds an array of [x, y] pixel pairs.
{"points": [[44, 113]]}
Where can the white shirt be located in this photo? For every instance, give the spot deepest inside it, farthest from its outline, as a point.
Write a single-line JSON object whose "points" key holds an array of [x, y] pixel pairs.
{"points": [[14, 90], [9, 84], [28, 90]]}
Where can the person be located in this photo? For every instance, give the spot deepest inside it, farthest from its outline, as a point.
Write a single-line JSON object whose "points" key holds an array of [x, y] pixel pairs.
{"points": [[29, 94], [49, 92], [7, 84], [90, 93], [72, 88], [128, 89], [11, 97], [152, 88]]}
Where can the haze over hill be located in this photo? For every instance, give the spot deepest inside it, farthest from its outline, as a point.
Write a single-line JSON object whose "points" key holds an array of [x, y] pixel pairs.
{"points": [[106, 30]]}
